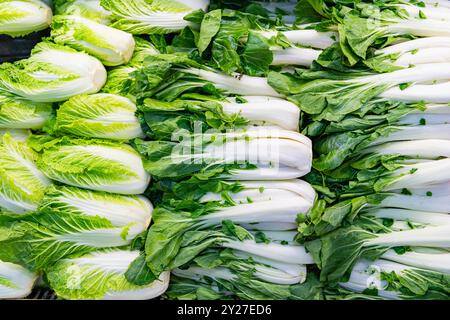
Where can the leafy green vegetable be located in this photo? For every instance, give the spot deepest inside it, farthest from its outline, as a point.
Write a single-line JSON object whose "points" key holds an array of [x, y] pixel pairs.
{"points": [[245, 277], [337, 252], [164, 118], [94, 164], [73, 278], [396, 281], [52, 73], [100, 115], [17, 113], [133, 213], [15, 281], [169, 76], [22, 185], [90, 9], [113, 47], [169, 253], [331, 96], [358, 32], [184, 210], [19, 18], [236, 155], [151, 16], [72, 221], [120, 79]]}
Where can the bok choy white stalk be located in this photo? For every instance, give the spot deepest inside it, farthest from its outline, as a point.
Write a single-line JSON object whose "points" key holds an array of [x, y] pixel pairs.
{"points": [[295, 56], [275, 245], [437, 261], [236, 83], [417, 51], [265, 111], [305, 38]]}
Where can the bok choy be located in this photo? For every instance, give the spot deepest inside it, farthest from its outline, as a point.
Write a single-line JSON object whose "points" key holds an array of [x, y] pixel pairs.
{"points": [[234, 274], [164, 118], [337, 252], [259, 153], [392, 280]]}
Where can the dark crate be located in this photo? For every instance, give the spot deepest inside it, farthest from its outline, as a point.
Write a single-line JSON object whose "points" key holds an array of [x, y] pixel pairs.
{"points": [[12, 49]]}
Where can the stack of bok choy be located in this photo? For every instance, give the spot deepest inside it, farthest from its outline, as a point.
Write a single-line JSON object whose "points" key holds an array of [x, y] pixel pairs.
{"points": [[378, 112], [225, 158]]}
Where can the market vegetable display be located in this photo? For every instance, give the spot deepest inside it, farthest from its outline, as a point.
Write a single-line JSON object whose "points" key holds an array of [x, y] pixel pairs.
{"points": [[224, 149]]}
